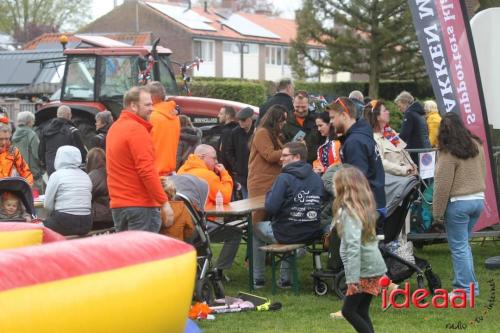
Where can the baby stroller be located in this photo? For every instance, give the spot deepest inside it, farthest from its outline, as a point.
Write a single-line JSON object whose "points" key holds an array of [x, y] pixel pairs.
{"points": [[194, 192], [20, 188], [400, 193]]}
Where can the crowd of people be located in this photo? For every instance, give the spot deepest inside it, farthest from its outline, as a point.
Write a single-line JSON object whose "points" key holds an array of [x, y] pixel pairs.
{"points": [[319, 171]]}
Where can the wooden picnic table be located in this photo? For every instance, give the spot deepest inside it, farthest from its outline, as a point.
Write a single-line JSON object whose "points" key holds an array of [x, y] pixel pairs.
{"points": [[241, 208]]}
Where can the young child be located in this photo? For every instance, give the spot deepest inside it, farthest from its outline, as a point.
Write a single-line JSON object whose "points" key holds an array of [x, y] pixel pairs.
{"points": [[355, 217], [183, 227], [12, 208]]}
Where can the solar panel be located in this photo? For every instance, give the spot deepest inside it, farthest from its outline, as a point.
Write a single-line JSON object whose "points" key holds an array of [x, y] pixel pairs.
{"points": [[246, 27], [185, 17]]}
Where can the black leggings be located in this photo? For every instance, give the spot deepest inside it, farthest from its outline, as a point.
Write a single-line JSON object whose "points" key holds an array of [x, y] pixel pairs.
{"points": [[356, 311]]}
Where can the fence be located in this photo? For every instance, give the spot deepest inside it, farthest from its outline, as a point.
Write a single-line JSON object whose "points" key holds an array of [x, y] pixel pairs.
{"points": [[14, 106]]}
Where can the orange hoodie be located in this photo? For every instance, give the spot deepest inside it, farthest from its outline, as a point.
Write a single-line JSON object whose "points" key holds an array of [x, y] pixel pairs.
{"points": [[166, 132], [196, 166], [133, 180]]}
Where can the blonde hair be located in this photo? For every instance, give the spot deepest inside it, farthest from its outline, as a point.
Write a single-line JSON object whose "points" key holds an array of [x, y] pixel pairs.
{"points": [[430, 106], [353, 194]]}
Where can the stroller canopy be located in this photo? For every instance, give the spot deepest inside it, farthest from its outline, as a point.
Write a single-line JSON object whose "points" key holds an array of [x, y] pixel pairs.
{"points": [[19, 187], [194, 188], [396, 189]]}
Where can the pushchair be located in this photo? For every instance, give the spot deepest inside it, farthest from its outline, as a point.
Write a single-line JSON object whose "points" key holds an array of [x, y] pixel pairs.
{"points": [[193, 191], [19, 187], [400, 193]]}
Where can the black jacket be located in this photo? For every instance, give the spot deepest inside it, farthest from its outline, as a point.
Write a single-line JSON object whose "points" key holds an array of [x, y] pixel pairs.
{"points": [[360, 150], [238, 153], [414, 129], [311, 139], [99, 140], [225, 136], [294, 202], [60, 132], [279, 98]]}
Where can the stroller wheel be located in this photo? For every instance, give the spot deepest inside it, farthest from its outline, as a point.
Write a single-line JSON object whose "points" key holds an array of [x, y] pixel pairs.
{"points": [[218, 289], [420, 281], [339, 285], [320, 287], [203, 291], [433, 280]]}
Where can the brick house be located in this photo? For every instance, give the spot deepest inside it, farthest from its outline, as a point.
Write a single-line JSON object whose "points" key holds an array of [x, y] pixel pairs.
{"points": [[232, 45]]}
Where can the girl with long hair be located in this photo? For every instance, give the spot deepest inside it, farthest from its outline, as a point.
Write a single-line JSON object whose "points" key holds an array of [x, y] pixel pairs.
{"points": [[329, 152], [395, 159], [355, 218], [459, 194]]}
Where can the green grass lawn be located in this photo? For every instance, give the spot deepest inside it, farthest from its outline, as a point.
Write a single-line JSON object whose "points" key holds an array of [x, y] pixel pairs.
{"points": [[309, 313]]}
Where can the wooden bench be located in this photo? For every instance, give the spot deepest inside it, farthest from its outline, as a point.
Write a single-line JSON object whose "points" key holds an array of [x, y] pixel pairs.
{"points": [[93, 233], [284, 252]]}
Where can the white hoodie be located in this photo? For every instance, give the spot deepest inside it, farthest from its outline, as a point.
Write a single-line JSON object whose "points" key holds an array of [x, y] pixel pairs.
{"points": [[69, 189]]}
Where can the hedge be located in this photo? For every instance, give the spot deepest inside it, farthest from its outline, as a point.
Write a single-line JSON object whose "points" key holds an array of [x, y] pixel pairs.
{"points": [[240, 91]]}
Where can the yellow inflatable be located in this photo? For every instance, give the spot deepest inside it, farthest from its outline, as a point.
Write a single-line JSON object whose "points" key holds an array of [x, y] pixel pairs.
{"points": [[127, 282]]}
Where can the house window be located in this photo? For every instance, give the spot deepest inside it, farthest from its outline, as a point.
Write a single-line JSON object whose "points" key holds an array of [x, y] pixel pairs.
{"points": [[277, 55], [204, 49]]}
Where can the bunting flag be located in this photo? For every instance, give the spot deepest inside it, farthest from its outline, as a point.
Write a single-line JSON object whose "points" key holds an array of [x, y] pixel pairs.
{"points": [[445, 39]]}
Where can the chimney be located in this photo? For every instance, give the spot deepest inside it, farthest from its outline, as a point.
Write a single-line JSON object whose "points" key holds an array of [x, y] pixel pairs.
{"points": [[205, 6]]}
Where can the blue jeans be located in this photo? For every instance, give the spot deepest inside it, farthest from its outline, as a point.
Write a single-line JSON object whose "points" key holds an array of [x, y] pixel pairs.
{"points": [[137, 218], [262, 235], [460, 218]]}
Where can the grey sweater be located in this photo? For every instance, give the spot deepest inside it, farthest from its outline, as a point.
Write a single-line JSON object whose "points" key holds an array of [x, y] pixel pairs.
{"points": [[360, 260], [69, 189]]}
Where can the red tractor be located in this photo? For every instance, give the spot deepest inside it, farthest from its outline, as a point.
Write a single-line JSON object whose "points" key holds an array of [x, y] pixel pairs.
{"points": [[100, 70]]}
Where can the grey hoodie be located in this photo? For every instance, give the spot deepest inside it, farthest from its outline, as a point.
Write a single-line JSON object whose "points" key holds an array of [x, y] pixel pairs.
{"points": [[69, 189]]}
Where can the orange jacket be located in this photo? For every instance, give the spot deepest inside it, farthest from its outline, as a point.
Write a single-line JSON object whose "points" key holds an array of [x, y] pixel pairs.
{"points": [[166, 132], [12, 162], [196, 167], [133, 180]]}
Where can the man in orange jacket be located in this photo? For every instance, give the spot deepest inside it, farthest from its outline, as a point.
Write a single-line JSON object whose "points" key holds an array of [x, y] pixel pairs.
{"points": [[203, 164], [135, 190], [166, 129]]}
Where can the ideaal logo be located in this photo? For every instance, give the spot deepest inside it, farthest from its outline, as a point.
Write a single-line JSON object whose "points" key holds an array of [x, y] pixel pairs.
{"points": [[440, 300]]}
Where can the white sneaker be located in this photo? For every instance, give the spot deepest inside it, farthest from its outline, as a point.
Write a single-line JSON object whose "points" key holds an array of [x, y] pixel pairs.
{"points": [[336, 315]]}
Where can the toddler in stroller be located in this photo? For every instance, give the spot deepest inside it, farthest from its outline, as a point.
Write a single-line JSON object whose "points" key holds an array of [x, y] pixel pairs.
{"points": [[193, 191], [400, 192], [16, 200]]}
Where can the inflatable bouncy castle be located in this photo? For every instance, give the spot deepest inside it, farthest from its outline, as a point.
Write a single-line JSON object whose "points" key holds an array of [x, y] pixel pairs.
{"points": [[126, 282]]}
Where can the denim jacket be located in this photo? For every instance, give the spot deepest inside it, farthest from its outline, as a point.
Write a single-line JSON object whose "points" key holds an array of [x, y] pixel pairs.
{"points": [[360, 260]]}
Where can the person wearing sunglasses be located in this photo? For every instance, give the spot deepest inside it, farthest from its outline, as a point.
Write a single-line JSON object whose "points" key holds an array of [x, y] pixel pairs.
{"points": [[360, 149]]}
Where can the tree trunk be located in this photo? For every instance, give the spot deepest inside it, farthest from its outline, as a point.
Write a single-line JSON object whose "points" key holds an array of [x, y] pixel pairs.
{"points": [[374, 74]]}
